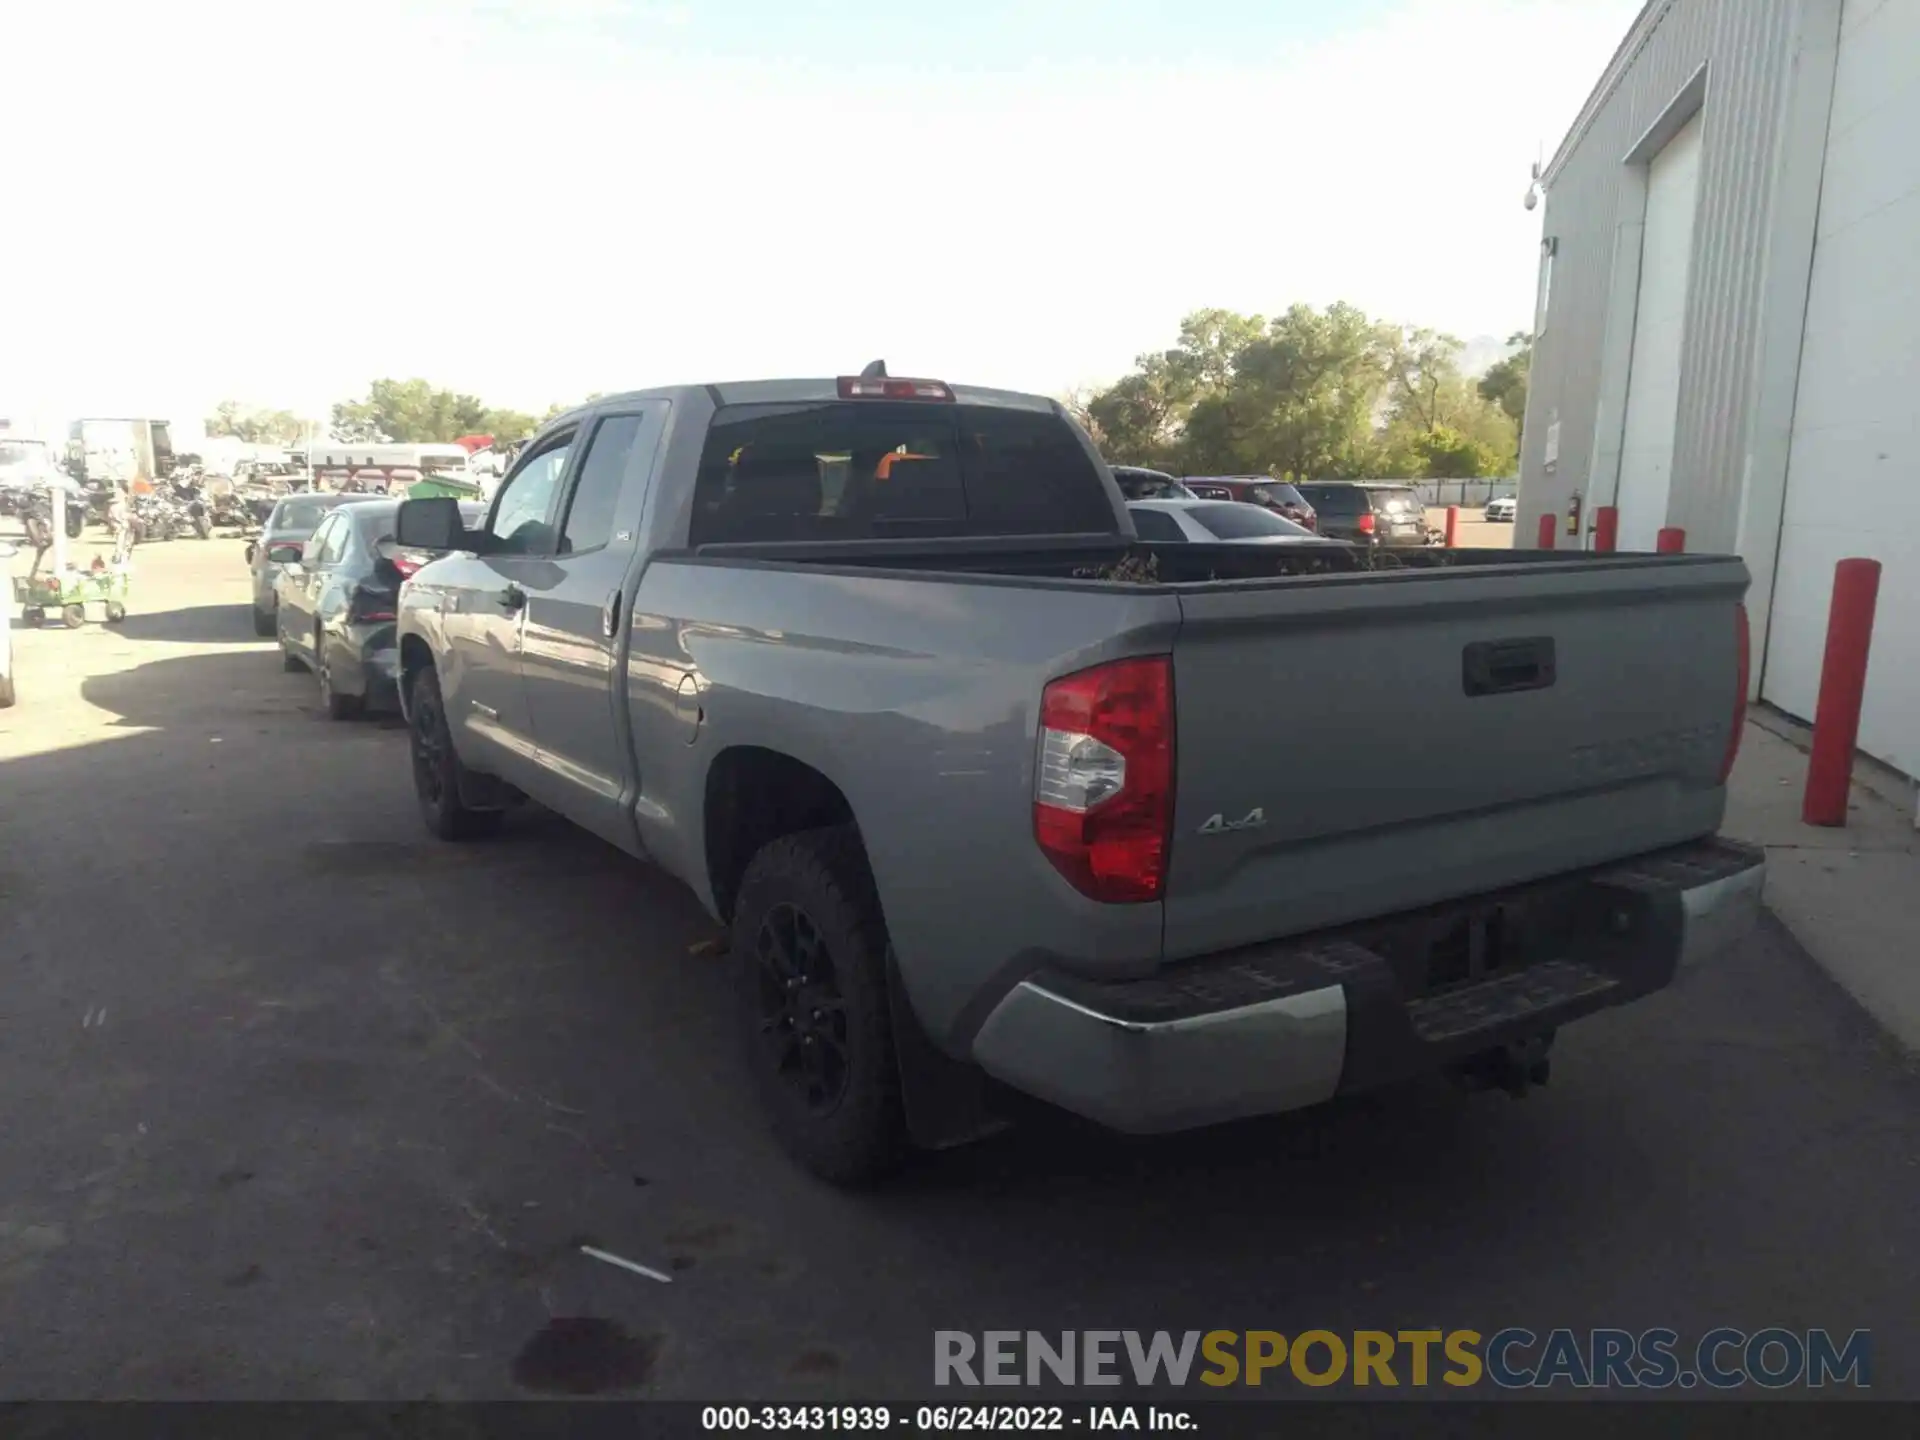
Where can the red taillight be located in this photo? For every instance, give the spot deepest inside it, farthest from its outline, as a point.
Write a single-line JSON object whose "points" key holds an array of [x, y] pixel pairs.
{"points": [[859, 387], [1103, 791], [405, 564], [1743, 646], [369, 607], [1365, 522]]}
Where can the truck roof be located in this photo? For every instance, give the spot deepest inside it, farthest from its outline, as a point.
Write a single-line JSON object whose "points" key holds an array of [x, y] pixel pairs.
{"points": [[796, 392]]}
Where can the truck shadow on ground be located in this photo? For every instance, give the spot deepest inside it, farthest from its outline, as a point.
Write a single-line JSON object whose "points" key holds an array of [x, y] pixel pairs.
{"points": [[192, 625], [536, 1031]]}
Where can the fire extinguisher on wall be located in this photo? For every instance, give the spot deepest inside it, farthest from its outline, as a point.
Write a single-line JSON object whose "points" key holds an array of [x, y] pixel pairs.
{"points": [[1573, 514]]}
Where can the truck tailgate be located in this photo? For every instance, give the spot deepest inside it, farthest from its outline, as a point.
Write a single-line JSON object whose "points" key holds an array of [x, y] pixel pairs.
{"points": [[1348, 747]]}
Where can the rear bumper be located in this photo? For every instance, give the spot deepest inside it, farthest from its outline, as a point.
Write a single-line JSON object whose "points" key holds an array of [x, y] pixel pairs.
{"points": [[368, 665], [1287, 1025]]}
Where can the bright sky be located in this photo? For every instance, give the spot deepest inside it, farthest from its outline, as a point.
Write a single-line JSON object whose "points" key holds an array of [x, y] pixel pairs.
{"points": [[279, 203]]}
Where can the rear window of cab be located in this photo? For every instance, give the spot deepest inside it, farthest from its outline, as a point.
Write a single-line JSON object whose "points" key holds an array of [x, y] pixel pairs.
{"points": [[882, 469]]}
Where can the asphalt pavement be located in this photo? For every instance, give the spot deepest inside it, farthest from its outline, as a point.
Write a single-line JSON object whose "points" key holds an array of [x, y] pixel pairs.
{"points": [[297, 1103]]}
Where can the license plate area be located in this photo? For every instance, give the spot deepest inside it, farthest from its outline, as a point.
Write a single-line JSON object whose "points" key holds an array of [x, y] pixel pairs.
{"points": [[1434, 951]]}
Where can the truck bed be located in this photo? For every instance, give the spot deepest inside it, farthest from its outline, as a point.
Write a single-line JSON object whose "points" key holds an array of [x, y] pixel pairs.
{"points": [[1357, 733]]}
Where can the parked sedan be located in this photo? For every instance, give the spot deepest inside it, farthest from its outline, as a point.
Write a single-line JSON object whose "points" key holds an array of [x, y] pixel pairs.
{"points": [[1215, 522], [1504, 508], [336, 602], [285, 531]]}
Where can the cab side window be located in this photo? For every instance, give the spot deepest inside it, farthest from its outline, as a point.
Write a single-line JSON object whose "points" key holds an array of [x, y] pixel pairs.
{"points": [[523, 510], [603, 469]]}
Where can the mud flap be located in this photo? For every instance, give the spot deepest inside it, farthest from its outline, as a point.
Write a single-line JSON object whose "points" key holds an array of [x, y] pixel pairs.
{"points": [[946, 1100], [486, 792]]}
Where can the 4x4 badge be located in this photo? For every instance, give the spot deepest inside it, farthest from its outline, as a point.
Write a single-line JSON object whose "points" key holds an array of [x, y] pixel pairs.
{"points": [[1254, 819]]}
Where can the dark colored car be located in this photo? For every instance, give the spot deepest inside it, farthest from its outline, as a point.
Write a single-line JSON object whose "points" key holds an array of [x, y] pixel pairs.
{"points": [[285, 530], [1262, 490], [337, 597], [1139, 483], [1369, 514]]}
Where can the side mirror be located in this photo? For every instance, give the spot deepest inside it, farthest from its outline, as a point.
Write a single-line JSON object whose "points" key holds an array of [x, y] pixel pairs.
{"points": [[288, 555], [430, 524]]}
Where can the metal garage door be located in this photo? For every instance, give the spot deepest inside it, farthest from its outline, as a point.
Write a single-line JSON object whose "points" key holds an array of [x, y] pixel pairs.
{"points": [[1653, 385], [1853, 483]]}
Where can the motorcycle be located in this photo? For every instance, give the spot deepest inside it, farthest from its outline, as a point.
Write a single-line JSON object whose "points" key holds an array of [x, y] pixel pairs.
{"points": [[35, 510], [155, 517], [187, 495]]}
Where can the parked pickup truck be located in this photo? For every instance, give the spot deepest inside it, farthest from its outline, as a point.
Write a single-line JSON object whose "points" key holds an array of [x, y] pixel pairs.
{"points": [[992, 796]]}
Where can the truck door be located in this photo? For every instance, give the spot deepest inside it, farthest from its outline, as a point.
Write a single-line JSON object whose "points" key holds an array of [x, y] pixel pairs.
{"points": [[575, 620], [486, 596]]}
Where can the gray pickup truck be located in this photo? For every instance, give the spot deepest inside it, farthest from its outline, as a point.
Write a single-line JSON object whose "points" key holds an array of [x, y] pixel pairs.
{"points": [[994, 797]]}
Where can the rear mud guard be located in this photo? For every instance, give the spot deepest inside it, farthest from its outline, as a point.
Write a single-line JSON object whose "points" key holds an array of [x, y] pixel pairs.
{"points": [[946, 1100]]}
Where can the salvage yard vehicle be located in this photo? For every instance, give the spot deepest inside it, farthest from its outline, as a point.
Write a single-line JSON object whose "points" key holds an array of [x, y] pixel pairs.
{"points": [[1278, 496], [282, 540], [336, 603], [1213, 522], [1139, 483], [1502, 508], [1368, 514], [961, 761]]}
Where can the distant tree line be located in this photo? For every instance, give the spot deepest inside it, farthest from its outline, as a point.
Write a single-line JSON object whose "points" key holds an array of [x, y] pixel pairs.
{"points": [[396, 411], [1311, 394]]}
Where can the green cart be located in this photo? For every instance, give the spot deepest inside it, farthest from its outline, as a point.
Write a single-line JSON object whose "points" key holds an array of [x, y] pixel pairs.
{"points": [[436, 487], [74, 598]]}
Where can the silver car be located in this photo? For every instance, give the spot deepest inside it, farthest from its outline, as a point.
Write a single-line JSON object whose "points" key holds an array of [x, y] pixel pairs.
{"points": [[1502, 509], [1215, 522], [290, 525]]}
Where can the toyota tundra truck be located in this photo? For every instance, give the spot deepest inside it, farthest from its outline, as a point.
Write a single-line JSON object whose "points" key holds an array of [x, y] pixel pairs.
{"points": [[993, 797]]}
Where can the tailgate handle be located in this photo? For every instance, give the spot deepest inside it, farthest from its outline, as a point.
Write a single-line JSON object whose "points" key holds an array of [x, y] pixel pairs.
{"points": [[1501, 667]]}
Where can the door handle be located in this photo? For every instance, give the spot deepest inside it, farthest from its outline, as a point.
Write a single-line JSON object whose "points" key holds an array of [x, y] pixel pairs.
{"points": [[1501, 667], [610, 615], [511, 598]]}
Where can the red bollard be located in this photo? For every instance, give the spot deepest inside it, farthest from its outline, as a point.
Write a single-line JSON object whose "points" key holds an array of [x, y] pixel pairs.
{"points": [[1453, 524], [1671, 541], [1843, 685], [1549, 522], [1606, 529]]}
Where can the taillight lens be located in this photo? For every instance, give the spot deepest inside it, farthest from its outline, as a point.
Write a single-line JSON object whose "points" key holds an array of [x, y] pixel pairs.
{"points": [[1742, 640], [368, 607], [406, 564], [1366, 522], [1103, 791]]}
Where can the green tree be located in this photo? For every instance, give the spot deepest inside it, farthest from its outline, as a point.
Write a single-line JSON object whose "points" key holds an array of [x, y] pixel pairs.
{"points": [[1505, 384], [231, 419], [407, 412], [1305, 393], [1448, 455]]}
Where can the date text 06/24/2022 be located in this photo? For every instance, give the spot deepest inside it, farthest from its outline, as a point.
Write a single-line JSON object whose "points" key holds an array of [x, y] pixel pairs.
{"points": [[943, 1419]]}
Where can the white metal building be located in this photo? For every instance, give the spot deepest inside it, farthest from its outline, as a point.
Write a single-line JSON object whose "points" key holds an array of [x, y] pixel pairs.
{"points": [[1728, 330]]}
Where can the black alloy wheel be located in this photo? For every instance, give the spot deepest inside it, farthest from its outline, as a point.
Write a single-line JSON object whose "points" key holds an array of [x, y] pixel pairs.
{"points": [[803, 1018]]}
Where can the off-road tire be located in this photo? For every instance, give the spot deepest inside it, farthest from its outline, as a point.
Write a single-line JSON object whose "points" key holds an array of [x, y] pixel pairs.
{"points": [[437, 771], [823, 875]]}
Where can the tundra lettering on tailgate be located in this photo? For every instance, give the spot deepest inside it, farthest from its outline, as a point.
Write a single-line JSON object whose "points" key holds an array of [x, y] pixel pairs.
{"points": [[1646, 754]]}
